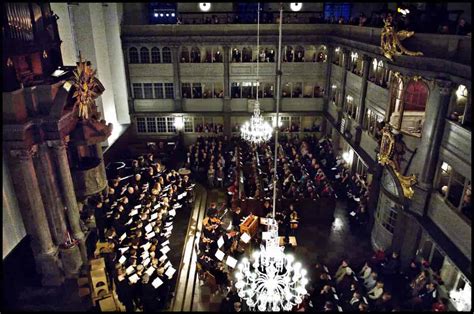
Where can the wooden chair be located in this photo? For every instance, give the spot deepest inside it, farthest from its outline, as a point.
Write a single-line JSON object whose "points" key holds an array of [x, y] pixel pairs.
{"points": [[108, 304]]}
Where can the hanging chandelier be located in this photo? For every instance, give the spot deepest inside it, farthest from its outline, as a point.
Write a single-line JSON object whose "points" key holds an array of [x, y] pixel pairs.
{"points": [[257, 130], [272, 282]]}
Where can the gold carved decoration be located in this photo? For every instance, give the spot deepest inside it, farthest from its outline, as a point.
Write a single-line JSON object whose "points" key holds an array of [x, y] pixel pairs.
{"points": [[85, 83], [390, 41], [384, 157]]}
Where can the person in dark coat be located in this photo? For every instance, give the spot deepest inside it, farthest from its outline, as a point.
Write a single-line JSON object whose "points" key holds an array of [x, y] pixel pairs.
{"points": [[148, 295], [124, 290]]}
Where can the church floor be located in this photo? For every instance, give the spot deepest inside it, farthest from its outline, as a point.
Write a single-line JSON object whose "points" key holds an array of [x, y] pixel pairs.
{"points": [[316, 239]]}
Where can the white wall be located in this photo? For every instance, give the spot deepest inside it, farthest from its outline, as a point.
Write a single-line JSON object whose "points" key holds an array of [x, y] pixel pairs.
{"points": [[13, 228], [68, 45]]}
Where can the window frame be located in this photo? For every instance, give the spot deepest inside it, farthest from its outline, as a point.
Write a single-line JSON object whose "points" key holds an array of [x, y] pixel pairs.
{"points": [[136, 55], [144, 51]]}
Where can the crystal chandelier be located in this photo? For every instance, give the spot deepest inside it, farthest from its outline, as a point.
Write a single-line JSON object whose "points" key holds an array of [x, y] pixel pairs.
{"points": [[257, 130], [272, 282]]}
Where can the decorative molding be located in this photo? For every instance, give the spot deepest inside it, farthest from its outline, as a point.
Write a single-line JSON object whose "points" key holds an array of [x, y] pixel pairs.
{"points": [[24, 154], [390, 42]]}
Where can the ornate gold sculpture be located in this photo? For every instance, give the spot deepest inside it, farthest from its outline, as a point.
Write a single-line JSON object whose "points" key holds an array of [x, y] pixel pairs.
{"points": [[385, 155], [390, 41], [85, 83]]}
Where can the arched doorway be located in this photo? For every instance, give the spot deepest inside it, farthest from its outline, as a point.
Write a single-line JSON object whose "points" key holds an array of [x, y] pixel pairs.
{"points": [[390, 204]]}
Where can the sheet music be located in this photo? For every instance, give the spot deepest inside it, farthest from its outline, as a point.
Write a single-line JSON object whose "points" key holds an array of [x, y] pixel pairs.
{"points": [[146, 262], [157, 282], [148, 228], [180, 196], [170, 272], [129, 222], [130, 270], [134, 278], [146, 246], [154, 216], [172, 212], [123, 236], [138, 206], [220, 255], [165, 250], [133, 212], [168, 264], [123, 249], [165, 243], [163, 258], [122, 259], [150, 271], [231, 262], [150, 235], [245, 237], [220, 242]]}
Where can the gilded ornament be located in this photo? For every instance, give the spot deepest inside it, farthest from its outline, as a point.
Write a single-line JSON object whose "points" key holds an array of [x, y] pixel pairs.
{"points": [[85, 83], [390, 41]]}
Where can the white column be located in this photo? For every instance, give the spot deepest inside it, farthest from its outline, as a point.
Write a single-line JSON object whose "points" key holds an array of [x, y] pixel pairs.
{"points": [[65, 28]]}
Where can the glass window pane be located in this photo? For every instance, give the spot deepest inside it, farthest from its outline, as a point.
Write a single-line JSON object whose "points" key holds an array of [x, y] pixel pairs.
{"points": [[166, 55], [456, 188], [171, 127], [144, 55], [133, 55], [141, 126], [151, 125], [186, 90], [155, 55], [286, 90], [268, 90], [137, 90], [148, 90], [169, 91], [161, 123], [158, 87], [246, 89], [188, 124], [197, 90], [235, 90]]}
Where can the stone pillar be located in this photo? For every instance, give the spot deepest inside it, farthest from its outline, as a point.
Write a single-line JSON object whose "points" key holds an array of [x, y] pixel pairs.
{"points": [[33, 212], [327, 94], [342, 94], [69, 195], [433, 128], [363, 93], [227, 97], [50, 195], [178, 102], [406, 237], [432, 135]]}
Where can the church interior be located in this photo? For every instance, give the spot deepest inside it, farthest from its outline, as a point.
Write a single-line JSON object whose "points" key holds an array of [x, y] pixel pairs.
{"points": [[296, 157]]}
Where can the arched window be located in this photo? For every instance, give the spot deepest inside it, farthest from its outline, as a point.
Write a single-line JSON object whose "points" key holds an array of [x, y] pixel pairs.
{"points": [[208, 56], [246, 54], [155, 55], [460, 111], [322, 54], [195, 55], [133, 55], [166, 55], [217, 55], [184, 55], [396, 102], [236, 55], [299, 54], [144, 55]]}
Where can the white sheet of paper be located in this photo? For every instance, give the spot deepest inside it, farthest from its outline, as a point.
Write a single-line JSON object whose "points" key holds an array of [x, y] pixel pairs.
{"points": [[123, 236], [168, 229], [150, 235], [146, 246], [134, 278], [138, 206], [326, 269], [352, 214], [339, 308], [157, 282], [172, 212], [337, 176], [333, 289], [129, 222], [245, 237], [168, 264], [231, 262], [133, 212], [123, 249], [220, 255], [180, 196], [156, 206], [122, 259], [365, 300], [220, 242], [336, 297], [130, 270], [263, 221], [170, 272], [163, 258], [165, 243], [165, 250], [265, 235], [154, 216], [169, 223], [356, 199], [177, 205], [146, 262], [148, 228], [150, 271], [145, 254]]}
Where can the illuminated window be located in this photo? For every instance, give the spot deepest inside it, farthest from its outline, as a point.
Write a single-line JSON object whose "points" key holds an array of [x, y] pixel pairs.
{"points": [[455, 189], [460, 108]]}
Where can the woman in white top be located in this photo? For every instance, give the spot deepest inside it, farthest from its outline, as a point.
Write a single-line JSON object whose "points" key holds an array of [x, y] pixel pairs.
{"points": [[365, 271], [377, 291]]}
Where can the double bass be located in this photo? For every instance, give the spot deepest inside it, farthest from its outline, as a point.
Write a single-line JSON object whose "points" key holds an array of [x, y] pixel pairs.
{"points": [[294, 220]]}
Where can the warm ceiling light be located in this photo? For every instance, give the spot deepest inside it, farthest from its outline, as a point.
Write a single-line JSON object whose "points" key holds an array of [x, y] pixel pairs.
{"points": [[296, 6], [205, 6]]}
